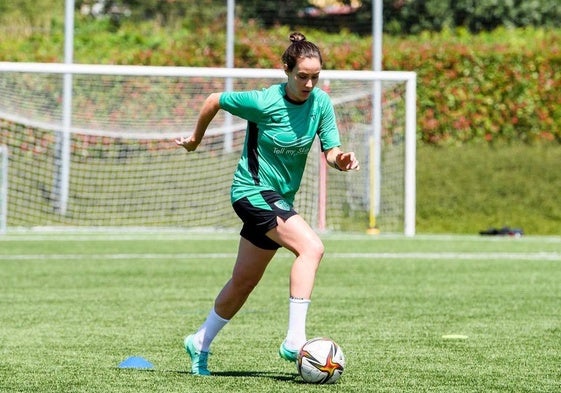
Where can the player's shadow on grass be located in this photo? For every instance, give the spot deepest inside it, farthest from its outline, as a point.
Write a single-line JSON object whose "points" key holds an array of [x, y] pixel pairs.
{"points": [[257, 374], [251, 374]]}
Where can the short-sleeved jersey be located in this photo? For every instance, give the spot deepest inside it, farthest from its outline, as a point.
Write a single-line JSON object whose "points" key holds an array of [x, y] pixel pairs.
{"points": [[280, 133]]}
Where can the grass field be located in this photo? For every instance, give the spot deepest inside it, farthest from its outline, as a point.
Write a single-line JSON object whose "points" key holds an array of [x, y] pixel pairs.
{"points": [[74, 305]]}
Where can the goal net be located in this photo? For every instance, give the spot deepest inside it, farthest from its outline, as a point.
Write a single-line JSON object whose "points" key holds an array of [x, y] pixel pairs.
{"points": [[93, 146]]}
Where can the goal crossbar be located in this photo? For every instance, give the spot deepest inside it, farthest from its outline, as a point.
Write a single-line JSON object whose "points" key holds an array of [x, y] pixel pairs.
{"points": [[219, 72]]}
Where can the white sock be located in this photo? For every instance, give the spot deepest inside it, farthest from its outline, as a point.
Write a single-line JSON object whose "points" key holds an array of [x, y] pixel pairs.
{"points": [[208, 331], [297, 312]]}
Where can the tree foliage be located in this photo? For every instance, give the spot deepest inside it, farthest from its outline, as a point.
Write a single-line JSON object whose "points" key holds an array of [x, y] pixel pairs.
{"points": [[31, 14], [413, 16], [400, 16]]}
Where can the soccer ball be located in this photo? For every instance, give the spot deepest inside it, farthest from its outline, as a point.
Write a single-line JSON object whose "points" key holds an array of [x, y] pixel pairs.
{"points": [[320, 360]]}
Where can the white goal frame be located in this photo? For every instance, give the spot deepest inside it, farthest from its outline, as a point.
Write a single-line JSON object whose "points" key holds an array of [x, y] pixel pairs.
{"points": [[3, 188], [409, 78]]}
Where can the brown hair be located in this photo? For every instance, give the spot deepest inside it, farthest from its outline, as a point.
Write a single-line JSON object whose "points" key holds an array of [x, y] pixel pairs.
{"points": [[298, 48]]}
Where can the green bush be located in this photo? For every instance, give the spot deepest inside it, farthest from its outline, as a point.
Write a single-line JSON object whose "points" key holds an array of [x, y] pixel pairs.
{"points": [[500, 86], [497, 86]]}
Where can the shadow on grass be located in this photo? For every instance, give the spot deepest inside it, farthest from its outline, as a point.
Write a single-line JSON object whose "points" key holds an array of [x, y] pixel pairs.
{"points": [[257, 374], [241, 374]]}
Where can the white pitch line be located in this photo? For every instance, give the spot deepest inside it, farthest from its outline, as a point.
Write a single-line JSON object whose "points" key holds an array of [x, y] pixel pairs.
{"points": [[539, 256], [549, 256]]}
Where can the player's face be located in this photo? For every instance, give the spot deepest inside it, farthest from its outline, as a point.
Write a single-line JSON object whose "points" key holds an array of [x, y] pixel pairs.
{"points": [[303, 78]]}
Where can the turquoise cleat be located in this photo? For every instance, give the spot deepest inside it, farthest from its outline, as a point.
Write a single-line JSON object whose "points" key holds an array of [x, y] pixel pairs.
{"points": [[199, 359], [287, 354]]}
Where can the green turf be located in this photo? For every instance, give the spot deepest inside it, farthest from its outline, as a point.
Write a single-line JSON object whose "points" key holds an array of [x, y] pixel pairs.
{"points": [[73, 306], [468, 188]]}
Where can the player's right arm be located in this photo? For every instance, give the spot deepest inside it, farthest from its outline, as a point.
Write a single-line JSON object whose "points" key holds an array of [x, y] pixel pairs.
{"points": [[208, 111]]}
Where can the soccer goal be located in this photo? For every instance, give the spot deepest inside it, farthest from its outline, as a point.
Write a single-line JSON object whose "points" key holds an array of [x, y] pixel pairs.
{"points": [[93, 146]]}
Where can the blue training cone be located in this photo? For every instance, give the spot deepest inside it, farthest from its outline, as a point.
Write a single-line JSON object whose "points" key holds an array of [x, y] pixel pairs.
{"points": [[136, 362]]}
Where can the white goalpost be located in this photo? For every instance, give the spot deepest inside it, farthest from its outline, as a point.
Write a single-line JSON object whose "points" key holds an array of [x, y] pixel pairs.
{"points": [[121, 168], [3, 187]]}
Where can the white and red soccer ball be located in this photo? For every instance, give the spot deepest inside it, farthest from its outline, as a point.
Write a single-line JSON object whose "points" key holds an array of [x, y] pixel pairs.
{"points": [[320, 360]]}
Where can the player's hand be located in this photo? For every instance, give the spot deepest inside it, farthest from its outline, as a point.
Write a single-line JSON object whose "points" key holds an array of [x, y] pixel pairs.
{"points": [[188, 143], [347, 162]]}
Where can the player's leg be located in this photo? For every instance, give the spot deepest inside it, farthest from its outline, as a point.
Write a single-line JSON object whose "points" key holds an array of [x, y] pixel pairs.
{"points": [[296, 235], [248, 270]]}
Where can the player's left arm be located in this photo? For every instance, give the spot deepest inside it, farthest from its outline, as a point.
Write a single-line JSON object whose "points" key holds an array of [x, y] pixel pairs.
{"points": [[343, 161]]}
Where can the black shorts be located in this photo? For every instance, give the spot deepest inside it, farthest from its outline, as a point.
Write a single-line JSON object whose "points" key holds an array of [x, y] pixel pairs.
{"points": [[260, 217]]}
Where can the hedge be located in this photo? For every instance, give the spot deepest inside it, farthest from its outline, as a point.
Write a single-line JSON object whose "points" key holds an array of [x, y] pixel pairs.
{"points": [[501, 86], [498, 86]]}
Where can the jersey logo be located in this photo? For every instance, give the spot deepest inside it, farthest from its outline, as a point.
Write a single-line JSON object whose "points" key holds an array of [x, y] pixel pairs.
{"points": [[287, 139], [283, 205]]}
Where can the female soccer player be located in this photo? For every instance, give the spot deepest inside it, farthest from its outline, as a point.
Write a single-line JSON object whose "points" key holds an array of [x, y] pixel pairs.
{"points": [[283, 121]]}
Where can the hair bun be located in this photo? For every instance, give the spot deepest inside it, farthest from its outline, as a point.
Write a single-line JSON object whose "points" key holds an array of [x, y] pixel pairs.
{"points": [[297, 36]]}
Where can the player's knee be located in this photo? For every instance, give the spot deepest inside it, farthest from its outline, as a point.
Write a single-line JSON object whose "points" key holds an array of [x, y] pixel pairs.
{"points": [[244, 287], [315, 249]]}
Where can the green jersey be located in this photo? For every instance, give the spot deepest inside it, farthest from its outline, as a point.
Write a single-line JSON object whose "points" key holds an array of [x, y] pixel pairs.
{"points": [[280, 133]]}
